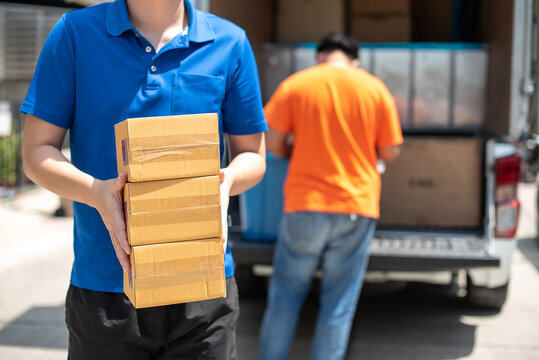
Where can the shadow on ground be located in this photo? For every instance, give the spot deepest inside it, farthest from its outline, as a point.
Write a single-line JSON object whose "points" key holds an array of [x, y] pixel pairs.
{"points": [[529, 248], [40, 327], [420, 321], [417, 321]]}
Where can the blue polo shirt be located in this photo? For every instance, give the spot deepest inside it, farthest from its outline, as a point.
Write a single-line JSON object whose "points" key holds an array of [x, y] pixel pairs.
{"points": [[96, 70]]}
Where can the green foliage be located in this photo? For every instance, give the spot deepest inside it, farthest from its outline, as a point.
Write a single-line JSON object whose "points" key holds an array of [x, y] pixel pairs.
{"points": [[9, 156]]}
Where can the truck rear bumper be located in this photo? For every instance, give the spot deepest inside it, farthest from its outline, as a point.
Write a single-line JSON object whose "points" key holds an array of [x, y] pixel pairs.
{"points": [[426, 252]]}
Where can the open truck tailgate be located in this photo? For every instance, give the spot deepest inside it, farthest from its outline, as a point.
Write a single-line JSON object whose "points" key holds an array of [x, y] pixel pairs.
{"points": [[429, 252], [392, 252]]}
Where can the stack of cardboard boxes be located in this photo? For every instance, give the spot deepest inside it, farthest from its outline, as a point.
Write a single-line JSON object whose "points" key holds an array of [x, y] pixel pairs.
{"points": [[172, 208], [380, 20]]}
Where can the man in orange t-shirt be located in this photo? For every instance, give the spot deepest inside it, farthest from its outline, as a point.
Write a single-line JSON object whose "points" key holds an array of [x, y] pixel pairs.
{"points": [[342, 121]]}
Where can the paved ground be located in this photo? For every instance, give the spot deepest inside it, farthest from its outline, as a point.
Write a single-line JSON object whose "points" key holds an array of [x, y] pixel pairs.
{"points": [[418, 322]]}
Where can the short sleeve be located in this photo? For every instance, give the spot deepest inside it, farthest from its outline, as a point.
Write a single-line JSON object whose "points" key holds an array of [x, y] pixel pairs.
{"points": [[278, 110], [51, 95], [388, 127], [242, 107]]}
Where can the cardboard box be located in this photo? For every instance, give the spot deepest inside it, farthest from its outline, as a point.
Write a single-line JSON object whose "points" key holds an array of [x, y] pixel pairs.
{"points": [[378, 7], [308, 20], [433, 20], [173, 273], [255, 17], [434, 183], [391, 28], [172, 210], [168, 147]]}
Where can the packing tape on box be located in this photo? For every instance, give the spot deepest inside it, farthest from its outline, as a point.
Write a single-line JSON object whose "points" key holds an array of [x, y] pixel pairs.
{"points": [[192, 209], [148, 154], [146, 142], [198, 143], [175, 202], [178, 266], [162, 281]]}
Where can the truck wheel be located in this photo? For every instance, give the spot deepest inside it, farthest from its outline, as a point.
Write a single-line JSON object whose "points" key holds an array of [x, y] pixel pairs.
{"points": [[486, 298], [249, 284]]}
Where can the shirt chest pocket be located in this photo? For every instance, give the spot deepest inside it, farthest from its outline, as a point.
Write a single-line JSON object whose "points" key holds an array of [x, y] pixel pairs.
{"points": [[195, 93]]}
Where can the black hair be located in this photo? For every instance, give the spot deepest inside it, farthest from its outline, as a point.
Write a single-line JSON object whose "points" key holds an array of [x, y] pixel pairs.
{"points": [[339, 41]]}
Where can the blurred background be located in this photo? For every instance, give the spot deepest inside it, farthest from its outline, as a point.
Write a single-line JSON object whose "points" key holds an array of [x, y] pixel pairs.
{"points": [[454, 271]]}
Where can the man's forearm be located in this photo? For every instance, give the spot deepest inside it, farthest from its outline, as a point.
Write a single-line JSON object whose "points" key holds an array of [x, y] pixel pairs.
{"points": [[48, 167], [278, 143], [245, 170], [388, 153]]}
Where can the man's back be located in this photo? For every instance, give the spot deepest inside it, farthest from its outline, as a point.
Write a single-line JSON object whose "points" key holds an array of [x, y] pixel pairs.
{"points": [[338, 116]]}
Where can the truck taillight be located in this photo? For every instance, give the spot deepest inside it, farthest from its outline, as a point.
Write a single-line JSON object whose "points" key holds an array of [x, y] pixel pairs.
{"points": [[508, 170], [507, 219], [507, 204]]}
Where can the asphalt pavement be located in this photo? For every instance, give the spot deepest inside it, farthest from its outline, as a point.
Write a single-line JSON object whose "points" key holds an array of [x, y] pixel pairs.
{"points": [[36, 256]]}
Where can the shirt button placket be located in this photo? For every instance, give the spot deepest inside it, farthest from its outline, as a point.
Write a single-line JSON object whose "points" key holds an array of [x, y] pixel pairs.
{"points": [[148, 50]]}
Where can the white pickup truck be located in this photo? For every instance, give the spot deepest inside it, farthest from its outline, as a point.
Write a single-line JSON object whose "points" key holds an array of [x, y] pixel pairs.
{"points": [[449, 207]]}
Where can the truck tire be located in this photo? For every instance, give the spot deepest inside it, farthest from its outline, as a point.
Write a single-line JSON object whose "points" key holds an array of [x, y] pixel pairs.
{"points": [[486, 298]]}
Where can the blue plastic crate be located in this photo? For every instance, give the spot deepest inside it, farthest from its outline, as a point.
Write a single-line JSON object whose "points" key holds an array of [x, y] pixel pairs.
{"points": [[261, 207]]}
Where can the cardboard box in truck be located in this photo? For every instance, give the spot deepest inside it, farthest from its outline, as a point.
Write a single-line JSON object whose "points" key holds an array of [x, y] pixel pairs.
{"points": [[172, 210], [436, 182], [324, 17], [168, 147], [390, 28], [173, 273]]}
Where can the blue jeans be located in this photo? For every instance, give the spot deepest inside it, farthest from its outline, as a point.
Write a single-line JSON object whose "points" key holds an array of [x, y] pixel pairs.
{"points": [[339, 244]]}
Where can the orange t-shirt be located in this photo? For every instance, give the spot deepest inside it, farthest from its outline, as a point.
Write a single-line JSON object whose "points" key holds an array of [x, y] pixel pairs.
{"points": [[338, 117]]}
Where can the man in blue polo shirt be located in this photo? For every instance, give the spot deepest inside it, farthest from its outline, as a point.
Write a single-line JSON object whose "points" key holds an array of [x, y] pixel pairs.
{"points": [[99, 66]]}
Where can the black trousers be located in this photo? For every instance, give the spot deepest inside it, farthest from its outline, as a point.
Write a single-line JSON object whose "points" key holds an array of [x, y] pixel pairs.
{"points": [[106, 326]]}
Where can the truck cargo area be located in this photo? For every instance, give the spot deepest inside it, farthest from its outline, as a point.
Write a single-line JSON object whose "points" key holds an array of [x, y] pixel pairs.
{"points": [[434, 209], [460, 73]]}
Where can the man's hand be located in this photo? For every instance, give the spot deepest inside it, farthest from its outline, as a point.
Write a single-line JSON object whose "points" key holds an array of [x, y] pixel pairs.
{"points": [[225, 196], [45, 164], [109, 203]]}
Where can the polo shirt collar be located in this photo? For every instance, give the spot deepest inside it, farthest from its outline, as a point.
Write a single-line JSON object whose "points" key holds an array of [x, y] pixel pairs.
{"points": [[118, 19], [200, 29]]}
